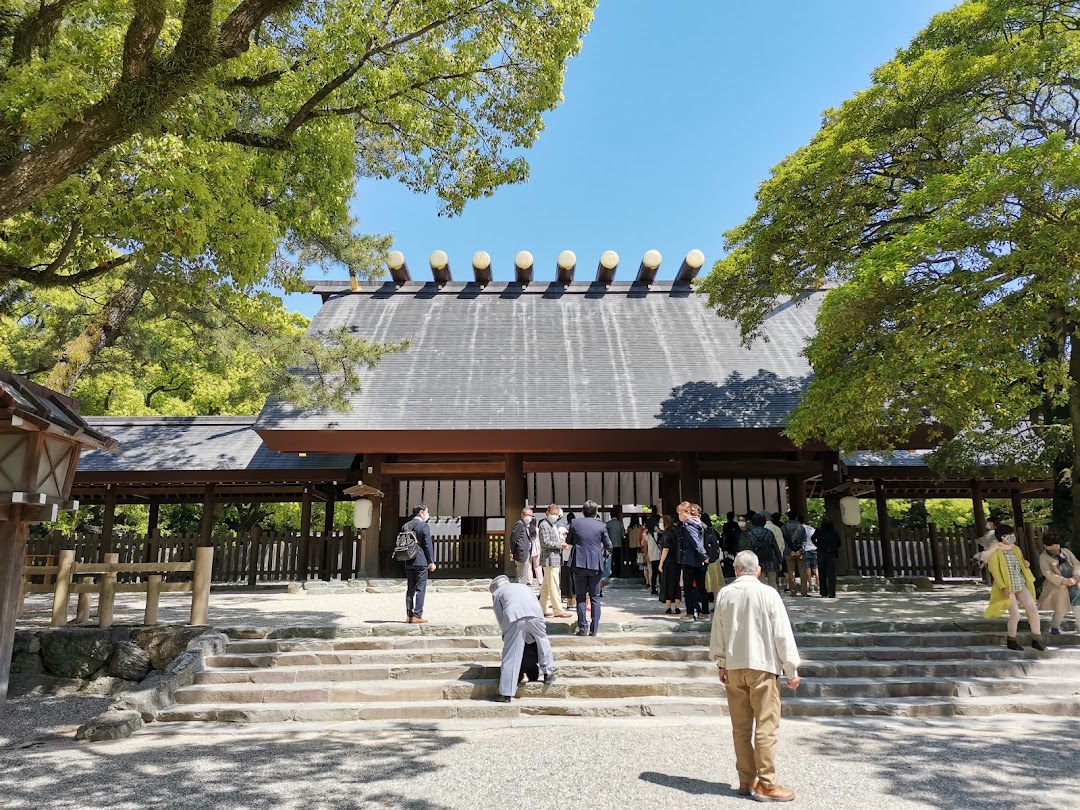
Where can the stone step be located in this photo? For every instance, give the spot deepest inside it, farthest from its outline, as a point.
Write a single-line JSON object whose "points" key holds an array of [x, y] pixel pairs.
{"points": [[421, 711], [359, 691], [957, 639], [480, 669]]}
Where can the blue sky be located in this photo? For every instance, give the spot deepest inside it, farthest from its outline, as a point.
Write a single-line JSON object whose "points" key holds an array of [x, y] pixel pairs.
{"points": [[674, 113]]}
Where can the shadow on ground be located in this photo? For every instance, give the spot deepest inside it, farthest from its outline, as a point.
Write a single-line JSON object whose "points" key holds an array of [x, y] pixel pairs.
{"points": [[258, 772]]}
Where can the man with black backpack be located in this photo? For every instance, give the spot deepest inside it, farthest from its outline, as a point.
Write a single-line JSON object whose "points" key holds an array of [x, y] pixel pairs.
{"points": [[414, 548], [763, 544]]}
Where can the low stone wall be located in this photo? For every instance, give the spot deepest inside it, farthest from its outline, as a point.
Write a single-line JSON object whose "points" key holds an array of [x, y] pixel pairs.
{"points": [[141, 666]]}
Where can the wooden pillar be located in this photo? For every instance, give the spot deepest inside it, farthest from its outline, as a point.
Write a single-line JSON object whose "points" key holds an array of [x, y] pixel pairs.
{"points": [[796, 488], [935, 554], [391, 522], [209, 515], [832, 477], [884, 529], [669, 493], [13, 535], [108, 519], [254, 554], [977, 506], [151, 532], [304, 563], [328, 534], [1027, 538], [689, 478], [367, 540], [513, 502]]}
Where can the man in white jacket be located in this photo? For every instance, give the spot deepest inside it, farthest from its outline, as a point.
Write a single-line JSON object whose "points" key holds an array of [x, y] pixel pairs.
{"points": [[752, 643]]}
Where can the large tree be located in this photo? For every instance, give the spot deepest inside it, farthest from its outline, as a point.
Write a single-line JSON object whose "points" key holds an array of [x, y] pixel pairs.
{"points": [[192, 149], [944, 202]]}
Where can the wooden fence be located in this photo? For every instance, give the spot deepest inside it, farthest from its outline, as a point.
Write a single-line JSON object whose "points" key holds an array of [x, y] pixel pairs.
{"points": [[108, 585], [931, 552], [258, 556]]}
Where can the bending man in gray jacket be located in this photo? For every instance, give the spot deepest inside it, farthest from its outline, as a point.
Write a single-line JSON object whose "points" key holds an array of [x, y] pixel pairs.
{"points": [[521, 621]]}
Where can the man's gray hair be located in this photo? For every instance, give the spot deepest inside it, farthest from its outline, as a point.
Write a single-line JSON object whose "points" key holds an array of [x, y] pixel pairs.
{"points": [[498, 582], [746, 562]]}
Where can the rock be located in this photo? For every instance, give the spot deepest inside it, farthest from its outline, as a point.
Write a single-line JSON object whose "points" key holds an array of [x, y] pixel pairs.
{"points": [[112, 725], [26, 642], [163, 643], [294, 587], [357, 583], [105, 686], [27, 663], [129, 661], [74, 652], [247, 632]]}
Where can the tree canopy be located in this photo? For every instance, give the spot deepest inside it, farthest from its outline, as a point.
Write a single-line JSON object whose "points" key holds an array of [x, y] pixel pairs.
{"points": [[195, 151], [943, 202]]}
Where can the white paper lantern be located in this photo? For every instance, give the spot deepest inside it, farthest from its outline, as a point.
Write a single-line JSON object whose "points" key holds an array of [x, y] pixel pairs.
{"points": [[850, 511], [362, 513]]}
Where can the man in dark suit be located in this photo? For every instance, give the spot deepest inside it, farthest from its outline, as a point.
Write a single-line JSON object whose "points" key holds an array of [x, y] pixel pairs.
{"points": [[418, 568], [589, 542], [521, 540]]}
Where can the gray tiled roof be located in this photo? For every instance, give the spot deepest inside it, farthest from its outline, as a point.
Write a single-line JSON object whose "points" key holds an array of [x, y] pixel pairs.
{"points": [[896, 458], [200, 443], [549, 357]]}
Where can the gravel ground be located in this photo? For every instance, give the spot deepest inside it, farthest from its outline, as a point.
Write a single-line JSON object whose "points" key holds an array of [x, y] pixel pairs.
{"points": [[838, 763], [267, 607]]}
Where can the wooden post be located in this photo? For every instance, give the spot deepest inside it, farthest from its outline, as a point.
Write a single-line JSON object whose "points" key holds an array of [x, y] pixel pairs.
{"points": [[153, 593], [977, 505], [513, 502], [108, 518], [384, 564], [328, 533], [107, 599], [689, 478], [200, 585], [13, 535], [209, 516], [884, 530], [796, 496], [82, 611], [1028, 538], [669, 492], [305, 536], [254, 554], [832, 477], [935, 554], [367, 540], [151, 532], [349, 553], [65, 561]]}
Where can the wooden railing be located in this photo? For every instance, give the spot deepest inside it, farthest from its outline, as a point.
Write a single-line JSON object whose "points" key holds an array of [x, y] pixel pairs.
{"points": [[108, 585], [250, 558], [468, 556], [930, 552]]}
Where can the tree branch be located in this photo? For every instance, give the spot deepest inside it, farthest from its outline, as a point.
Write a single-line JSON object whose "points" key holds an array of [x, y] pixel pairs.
{"points": [[234, 35], [39, 278], [257, 141], [36, 31], [141, 38]]}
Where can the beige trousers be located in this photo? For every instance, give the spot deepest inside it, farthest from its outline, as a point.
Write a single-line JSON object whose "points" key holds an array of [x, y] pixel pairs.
{"points": [[753, 700], [796, 563], [550, 594]]}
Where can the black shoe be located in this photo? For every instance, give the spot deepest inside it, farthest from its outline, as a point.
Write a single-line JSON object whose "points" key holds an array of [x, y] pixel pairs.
{"points": [[667, 612], [1012, 643], [1037, 643], [503, 698], [677, 611], [549, 678]]}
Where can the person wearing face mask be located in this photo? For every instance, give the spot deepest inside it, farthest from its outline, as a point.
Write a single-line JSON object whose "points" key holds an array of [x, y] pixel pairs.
{"points": [[652, 553], [1012, 586], [552, 546], [521, 539], [1061, 590]]}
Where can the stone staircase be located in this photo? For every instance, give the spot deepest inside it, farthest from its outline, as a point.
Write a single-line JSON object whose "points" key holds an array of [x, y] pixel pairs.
{"points": [[645, 669]]}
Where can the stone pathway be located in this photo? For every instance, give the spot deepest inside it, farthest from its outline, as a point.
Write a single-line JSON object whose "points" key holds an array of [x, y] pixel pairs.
{"points": [[348, 607], [836, 764]]}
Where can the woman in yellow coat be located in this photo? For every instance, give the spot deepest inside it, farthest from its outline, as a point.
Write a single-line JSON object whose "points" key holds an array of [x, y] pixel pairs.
{"points": [[1012, 585]]}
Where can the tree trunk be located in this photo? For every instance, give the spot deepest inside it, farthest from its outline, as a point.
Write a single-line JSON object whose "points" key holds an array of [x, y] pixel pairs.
{"points": [[1074, 419], [100, 333]]}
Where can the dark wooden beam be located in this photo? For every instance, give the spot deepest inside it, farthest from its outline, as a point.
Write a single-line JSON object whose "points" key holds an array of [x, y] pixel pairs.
{"points": [[513, 499], [884, 529], [108, 518]]}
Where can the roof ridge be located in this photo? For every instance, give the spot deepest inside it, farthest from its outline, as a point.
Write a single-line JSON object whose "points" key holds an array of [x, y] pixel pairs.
{"points": [[172, 420]]}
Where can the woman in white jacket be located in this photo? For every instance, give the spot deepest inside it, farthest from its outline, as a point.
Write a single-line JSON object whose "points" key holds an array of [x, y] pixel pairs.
{"points": [[1061, 571]]}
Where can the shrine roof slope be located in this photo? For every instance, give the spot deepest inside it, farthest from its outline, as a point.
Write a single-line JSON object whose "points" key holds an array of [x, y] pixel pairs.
{"points": [[194, 443], [552, 357]]}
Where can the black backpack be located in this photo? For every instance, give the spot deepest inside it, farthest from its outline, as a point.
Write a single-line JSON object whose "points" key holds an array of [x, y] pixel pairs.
{"points": [[712, 543], [407, 544]]}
